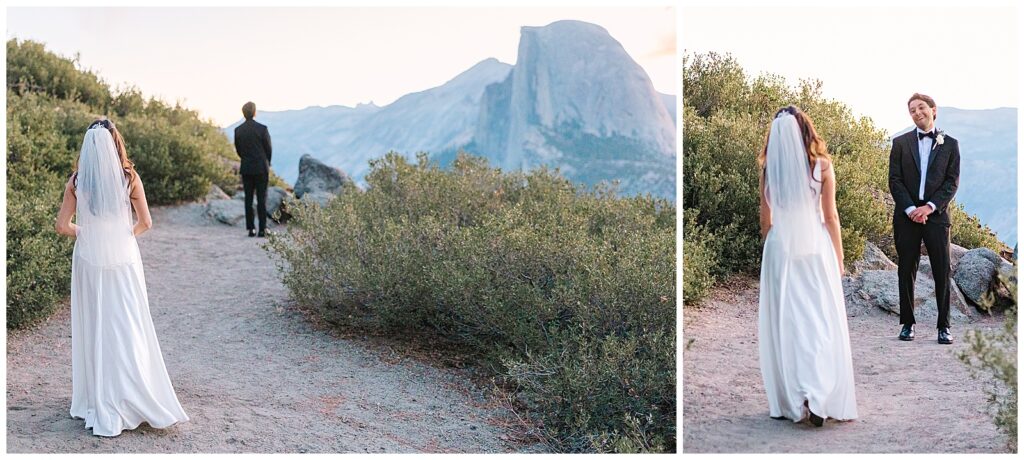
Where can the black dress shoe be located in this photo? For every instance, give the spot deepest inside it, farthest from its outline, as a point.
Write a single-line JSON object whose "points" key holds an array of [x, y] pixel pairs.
{"points": [[262, 234], [945, 337], [907, 333], [816, 419], [252, 233]]}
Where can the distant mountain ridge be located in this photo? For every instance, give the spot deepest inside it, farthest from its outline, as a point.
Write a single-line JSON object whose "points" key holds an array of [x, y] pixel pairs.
{"points": [[574, 100], [988, 164], [346, 137]]}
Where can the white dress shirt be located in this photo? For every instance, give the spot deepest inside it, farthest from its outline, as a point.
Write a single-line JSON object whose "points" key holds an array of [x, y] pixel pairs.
{"points": [[924, 149]]}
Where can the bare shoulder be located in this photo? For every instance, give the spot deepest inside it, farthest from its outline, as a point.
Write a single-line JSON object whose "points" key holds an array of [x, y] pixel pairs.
{"points": [[826, 165], [135, 185]]}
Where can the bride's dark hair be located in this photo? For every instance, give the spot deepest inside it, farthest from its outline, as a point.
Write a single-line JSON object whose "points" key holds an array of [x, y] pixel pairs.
{"points": [[814, 144]]}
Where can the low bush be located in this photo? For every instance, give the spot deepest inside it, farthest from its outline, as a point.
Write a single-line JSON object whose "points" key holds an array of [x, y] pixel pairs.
{"points": [[993, 356], [567, 293]]}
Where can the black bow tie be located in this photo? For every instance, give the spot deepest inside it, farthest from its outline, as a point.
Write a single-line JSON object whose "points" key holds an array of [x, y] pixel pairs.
{"points": [[930, 134]]}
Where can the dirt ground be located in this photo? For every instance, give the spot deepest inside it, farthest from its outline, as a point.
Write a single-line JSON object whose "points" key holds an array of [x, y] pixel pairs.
{"points": [[252, 373], [911, 396]]}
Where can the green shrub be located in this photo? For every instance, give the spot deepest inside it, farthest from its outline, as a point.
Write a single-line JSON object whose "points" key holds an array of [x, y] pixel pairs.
{"points": [[994, 356], [31, 68], [50, 103], [699, 259], [38, 260], [969, 232], [720, 185], [567, 293]]}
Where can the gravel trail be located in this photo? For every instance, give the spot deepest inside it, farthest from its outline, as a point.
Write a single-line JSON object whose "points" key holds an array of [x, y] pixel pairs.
{"points": [[911, 396], [253, 374]]}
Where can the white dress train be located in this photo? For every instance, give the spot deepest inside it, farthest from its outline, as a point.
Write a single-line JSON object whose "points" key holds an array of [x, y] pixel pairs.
{"points": [[118, 375], [804, 339]]}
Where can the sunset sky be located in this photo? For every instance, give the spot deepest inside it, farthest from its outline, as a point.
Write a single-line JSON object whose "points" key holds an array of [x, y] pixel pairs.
{"points": [[215, 59], [873, 56]]}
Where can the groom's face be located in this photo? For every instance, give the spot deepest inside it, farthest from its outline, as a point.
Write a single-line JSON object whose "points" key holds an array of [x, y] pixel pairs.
{"points": [[923, 115]]}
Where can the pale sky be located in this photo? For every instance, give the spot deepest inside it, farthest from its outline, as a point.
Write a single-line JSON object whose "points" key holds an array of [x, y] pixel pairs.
{"points": [[216, 59], [872, 57]]}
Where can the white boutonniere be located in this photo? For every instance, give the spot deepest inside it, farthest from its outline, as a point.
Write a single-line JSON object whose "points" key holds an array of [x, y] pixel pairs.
{"points": [[940, 137]]}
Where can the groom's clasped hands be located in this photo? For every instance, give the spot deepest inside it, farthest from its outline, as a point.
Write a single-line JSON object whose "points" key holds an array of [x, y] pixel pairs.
{"points": [[921, 213]]}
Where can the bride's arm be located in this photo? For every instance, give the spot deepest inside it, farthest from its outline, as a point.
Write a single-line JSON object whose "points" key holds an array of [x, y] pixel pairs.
{"points": [[67, 211], [766, 211], [138, 197], [828, 208]]}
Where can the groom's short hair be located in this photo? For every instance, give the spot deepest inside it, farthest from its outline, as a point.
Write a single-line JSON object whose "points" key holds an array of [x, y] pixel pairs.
{"points": [[249, 110], [927, 100]]}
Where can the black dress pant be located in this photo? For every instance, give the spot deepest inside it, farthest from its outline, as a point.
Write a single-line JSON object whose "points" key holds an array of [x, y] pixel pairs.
{"points": [[908, 235], [257, 183]]}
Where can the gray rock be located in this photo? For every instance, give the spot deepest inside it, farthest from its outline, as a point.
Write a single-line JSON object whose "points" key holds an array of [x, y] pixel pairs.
{"points": [[315, 176], [1003, 297], [873, 259], [275, 197], [958, 302], [975, 272], [320, 198], [878, 290], [230, 212], [988, 254], [955, 253], [1007, 268], [924, 268], [216, 193], [855, 306]]}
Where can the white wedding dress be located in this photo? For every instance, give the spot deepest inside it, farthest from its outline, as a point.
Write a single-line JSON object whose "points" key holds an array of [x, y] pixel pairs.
{"points": [[803, 335], [118, 374]]}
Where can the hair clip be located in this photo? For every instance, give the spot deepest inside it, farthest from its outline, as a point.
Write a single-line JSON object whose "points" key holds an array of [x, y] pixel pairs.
{"points": [[787, 109], [105, 124]]}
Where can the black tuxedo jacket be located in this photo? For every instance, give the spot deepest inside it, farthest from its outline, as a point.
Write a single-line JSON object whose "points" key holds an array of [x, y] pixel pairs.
{"points": [[941, 180], [252, 142]]}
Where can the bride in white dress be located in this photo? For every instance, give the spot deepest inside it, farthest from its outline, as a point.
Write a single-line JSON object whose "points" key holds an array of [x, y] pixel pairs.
{"points": [[803, 336], [118, 374]]}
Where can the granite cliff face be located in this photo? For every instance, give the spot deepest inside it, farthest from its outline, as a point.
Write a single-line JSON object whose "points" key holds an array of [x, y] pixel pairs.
{"points": [[576, 100]]}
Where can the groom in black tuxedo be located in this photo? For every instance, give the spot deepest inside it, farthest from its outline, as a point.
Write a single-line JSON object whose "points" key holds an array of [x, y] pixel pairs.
{"points": [[252, 142], [924, 173]]}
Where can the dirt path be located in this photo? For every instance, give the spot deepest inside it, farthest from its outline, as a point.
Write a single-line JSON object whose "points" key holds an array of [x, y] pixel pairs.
{"points": [[911, 396], [252, 374]]}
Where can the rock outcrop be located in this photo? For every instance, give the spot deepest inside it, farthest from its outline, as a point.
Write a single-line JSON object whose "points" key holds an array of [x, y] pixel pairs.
{"points": [[879, 289], [873, 286], [977, 275], [873, 259], [231, 210], [315, 176], [216, 193]]}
